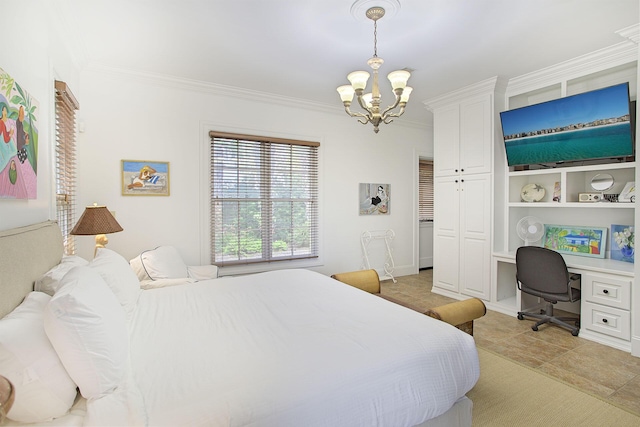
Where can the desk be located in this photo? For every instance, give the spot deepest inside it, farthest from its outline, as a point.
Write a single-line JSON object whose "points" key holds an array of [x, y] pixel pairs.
{"points": [[605, 305]]}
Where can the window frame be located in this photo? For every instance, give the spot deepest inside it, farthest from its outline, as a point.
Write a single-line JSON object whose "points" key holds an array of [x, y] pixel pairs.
{"points": [[65, 108], [425, 190], [267, 261]]}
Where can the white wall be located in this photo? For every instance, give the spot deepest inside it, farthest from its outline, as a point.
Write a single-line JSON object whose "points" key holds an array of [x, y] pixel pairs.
{"points": [[426, 245], [31, 54], [141, 117]]}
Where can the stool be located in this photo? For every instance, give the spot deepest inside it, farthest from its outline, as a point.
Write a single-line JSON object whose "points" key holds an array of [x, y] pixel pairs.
{"points": [[460, 314]]}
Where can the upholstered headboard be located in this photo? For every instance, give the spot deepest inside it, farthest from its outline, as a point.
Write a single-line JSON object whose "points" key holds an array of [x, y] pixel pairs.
{"points": [[26, 253]]}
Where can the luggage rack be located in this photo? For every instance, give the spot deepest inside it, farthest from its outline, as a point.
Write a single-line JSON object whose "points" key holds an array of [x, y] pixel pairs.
{"points": [[366, 240]]}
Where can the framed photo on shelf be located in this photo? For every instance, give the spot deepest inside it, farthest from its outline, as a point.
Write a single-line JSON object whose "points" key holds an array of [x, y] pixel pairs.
{"points": [[576, 240], [622, 242], [144, 178], [628, 193]]}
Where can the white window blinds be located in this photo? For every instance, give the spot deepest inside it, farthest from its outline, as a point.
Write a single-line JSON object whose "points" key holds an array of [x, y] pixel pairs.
{"points": [[425, 188], [65, 110], [264, 199]]}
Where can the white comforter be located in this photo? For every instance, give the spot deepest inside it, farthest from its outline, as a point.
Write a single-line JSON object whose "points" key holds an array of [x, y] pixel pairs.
{"points": [[293, 348]]}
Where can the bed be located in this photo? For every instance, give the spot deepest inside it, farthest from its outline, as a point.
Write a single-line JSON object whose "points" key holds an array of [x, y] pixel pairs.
{"points": [[282, 348]]}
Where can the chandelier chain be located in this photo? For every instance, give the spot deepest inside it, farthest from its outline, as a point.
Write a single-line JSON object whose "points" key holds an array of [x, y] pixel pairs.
{"points": [[375, 39]]}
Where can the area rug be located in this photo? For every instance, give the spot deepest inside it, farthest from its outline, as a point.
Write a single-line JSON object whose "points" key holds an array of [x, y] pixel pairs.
{"points": [[510, 394]]}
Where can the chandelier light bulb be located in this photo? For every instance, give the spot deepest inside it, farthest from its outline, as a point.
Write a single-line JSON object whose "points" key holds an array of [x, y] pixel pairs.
{"points": [[358, 79], [346, 93], [405, 94], [399, 79], [367, 97]]}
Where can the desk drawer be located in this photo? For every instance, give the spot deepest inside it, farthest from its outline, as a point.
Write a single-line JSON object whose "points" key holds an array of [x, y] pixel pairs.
{"points": [[607, 290], [606, 320]]}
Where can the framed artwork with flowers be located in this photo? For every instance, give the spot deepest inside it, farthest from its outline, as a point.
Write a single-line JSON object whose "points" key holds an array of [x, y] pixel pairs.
{"points": [[622, 242]]}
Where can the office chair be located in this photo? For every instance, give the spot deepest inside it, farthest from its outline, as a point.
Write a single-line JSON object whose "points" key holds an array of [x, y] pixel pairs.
{"points": [[543, 273]]}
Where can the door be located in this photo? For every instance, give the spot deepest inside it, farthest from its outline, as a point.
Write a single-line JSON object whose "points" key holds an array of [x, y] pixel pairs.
{"points": [[475, 236], [446, 235]]}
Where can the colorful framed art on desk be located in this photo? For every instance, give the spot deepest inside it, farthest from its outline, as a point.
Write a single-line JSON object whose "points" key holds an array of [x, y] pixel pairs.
{"points": [[576, 240]]}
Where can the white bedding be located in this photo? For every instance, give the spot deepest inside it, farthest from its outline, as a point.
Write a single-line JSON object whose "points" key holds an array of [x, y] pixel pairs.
{"points": [[292, 348]]}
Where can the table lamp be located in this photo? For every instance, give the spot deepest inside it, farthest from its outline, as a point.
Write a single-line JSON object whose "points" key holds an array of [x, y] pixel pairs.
{"points": [[7, 395], [96, 221]]}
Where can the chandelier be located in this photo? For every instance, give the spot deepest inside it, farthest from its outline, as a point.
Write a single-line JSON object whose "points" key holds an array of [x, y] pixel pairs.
{"points": [[370, 102]]}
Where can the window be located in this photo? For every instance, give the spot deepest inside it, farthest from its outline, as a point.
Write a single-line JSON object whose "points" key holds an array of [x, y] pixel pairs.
{"points": [[425, 189], [264, 199], [65, 110]]}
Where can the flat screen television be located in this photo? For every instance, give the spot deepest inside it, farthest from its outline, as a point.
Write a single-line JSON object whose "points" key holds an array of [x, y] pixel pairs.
{"points": [[588, 126]]}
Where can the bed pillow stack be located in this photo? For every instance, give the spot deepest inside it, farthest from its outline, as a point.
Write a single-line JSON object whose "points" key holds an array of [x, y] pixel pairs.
{"points": [[163, 266], [87, 327], [120, 278], [163, 262], [44, 389], [50, 281]]}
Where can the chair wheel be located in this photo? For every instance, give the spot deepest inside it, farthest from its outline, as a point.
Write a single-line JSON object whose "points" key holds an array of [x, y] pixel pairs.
{"points": [[520, 316], [575, 332], [535, 328]]}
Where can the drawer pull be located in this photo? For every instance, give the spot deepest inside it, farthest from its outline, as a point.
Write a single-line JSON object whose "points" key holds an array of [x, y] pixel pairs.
{"points": [[605, 291], [604, 320]]}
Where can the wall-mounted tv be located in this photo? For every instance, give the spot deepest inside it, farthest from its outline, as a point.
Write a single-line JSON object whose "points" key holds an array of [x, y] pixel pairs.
{"points": [[588, 126]]}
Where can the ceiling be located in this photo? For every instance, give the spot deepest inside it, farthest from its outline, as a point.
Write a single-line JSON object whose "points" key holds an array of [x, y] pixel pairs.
{"points": [[305, 48]]}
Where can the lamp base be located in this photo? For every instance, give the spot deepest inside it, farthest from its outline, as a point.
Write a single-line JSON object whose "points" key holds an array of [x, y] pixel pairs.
{"points": [[101, 242]]}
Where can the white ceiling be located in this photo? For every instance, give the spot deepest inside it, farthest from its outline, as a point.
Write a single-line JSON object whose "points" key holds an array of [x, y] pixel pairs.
{"points": [[305, 48]]}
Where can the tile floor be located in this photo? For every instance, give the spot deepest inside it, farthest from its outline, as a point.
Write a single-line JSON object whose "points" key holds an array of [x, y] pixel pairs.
{"points": [[595, 368]]}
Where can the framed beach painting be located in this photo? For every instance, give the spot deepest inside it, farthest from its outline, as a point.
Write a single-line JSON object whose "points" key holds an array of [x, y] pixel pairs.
{"points": [[622, 242], [144, 178], [576, 240]]}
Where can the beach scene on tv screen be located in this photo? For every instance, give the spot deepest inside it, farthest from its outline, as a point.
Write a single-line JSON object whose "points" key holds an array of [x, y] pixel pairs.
{"points": [[591, 125]]}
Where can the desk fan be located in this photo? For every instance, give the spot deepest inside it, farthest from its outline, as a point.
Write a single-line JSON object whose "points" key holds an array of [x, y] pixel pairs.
{"points": [[530, 229]]}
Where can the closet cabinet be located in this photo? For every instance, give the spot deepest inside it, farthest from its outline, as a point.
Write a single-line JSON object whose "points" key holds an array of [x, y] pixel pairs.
{"points": [[462, 235], [463, 139], [464, 123]]}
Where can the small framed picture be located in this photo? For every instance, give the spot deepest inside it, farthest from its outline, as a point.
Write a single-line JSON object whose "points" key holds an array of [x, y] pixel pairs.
{"points": [[375, 199], [622, 242], [576, 240], [628, 193], [145, 178]]}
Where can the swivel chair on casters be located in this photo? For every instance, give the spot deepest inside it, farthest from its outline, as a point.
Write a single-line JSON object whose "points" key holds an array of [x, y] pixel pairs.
{"points": [[543, 273]]}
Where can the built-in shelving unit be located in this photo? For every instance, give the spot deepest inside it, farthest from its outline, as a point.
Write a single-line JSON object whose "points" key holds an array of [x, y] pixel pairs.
{"points": [[603, 318], [568, 210]]}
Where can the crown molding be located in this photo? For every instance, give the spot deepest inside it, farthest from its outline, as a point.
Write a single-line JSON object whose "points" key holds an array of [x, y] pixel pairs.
{"points": [[492, 85], [632, 33], [166, 81], [603, 59]]}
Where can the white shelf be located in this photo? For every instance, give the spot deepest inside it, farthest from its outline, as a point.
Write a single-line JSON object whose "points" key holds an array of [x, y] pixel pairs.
{"points": [[578, 205], [572, 181], [570, 169]]}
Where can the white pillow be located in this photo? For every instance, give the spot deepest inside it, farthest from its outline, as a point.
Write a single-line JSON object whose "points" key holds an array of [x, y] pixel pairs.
{"points": [[163, 283], [44, 389], [119, 276], [163, 262], [203, 272], [49, 282], [86, 325]]}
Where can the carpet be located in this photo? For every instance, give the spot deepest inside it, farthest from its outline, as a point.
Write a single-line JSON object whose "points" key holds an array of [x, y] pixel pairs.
{"points": [[510, 394]]}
